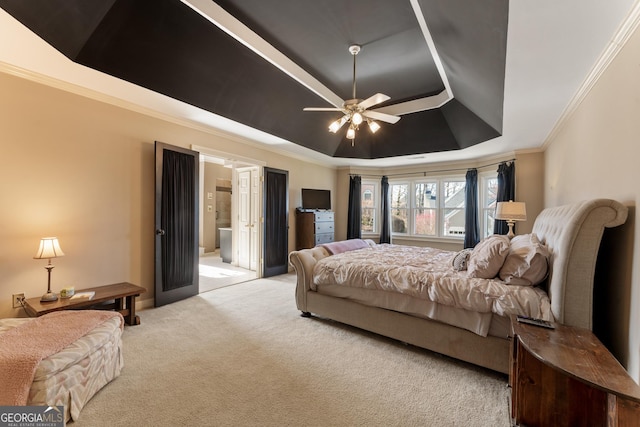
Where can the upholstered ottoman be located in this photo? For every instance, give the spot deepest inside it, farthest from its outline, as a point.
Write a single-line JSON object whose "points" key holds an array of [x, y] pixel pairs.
{"points": [[72, 375]]}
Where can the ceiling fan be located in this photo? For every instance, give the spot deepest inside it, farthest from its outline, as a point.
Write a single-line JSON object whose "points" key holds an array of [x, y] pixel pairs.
{"points": [[356, 111]]}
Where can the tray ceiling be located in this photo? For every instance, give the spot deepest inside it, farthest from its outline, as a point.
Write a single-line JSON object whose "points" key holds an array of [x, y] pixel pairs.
{"points": [[190, 51], [470, 79]]}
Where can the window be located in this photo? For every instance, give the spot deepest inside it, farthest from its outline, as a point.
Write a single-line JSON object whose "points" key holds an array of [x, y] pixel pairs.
{"points": [[428, 208], [425, 209], [370, 206], [399, 194], [454, 205], [488, 194]]}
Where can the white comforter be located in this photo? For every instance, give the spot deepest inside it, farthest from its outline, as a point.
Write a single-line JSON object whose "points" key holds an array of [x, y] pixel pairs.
{"points": [[427, 273]]}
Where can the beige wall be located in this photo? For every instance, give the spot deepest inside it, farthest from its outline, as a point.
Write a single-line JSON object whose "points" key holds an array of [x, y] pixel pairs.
{"points": [[530, 187], [342, 204], [595, 154], [83, 171]]}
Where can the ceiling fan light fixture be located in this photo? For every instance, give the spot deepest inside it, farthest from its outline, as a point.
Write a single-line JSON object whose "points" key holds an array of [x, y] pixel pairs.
{"points": [[356, 111], [356, 118], [335, 126]]}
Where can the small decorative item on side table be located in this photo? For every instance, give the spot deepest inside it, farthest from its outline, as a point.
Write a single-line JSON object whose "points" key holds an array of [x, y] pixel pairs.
{"points": [[535, 322], [67, 292]]}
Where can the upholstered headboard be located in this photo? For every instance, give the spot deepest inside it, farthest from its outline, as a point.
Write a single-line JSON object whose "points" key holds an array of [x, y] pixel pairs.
{"points": [[573, 234]]}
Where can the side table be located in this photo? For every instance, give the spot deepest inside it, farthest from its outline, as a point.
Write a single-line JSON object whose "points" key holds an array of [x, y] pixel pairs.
{"points": [[566, 377], [123, 296]]}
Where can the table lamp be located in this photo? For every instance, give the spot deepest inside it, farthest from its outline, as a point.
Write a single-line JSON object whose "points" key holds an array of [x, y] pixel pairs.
{"points": [[511, 212], [49, 248]]}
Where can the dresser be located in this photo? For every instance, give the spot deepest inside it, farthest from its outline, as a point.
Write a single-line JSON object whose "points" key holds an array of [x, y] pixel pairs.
{"points": [[313, 228]]}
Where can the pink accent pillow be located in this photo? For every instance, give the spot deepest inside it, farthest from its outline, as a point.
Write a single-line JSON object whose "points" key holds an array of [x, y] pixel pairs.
{"points": [[527, 262], [488, 256]]}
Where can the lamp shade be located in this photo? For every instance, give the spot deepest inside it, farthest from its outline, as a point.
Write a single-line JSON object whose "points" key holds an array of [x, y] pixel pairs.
{"points": [[49, 248], [512, 211], [373, 126]]}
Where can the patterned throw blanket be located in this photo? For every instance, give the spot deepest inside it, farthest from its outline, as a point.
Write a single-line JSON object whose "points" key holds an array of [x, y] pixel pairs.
{"points": [[23, 347]]}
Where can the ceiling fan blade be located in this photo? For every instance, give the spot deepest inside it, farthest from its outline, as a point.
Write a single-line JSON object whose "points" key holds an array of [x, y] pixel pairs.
{"points": [[321, 109], [383, 117], [373, 100]]}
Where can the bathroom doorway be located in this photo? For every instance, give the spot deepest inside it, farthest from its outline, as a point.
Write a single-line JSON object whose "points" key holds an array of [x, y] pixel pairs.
{"points": [[226, 196]]}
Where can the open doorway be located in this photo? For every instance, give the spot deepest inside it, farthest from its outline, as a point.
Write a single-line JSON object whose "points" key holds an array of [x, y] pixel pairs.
{"points": [[229, 220]]}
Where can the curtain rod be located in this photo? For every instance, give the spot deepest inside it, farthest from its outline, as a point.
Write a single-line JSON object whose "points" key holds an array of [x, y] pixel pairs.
{"points": [[424, 173]]}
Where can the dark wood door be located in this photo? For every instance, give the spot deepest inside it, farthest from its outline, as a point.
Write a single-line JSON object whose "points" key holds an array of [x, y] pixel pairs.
{"points": [[276, 222], [176, 223]]}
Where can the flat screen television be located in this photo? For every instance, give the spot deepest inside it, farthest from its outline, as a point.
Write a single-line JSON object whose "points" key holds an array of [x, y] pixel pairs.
{"points": [[316, 199]]}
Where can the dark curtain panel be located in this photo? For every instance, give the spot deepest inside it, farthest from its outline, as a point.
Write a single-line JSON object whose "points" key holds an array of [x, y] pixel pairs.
{"points": [[178, 211], [385, 225], [506, 192], [354, 218], [276, 225], [471, 227]]}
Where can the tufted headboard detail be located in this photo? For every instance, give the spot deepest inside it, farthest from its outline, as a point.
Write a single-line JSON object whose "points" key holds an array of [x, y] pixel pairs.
{"points": [[573, 234]]}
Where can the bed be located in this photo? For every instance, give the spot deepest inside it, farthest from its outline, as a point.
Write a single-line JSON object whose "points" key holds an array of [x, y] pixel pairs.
{"points": [[570, 236], [72, 376]]}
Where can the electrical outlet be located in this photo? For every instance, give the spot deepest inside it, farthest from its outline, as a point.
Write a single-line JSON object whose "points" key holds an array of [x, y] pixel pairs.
{"points": [[17, 298]]}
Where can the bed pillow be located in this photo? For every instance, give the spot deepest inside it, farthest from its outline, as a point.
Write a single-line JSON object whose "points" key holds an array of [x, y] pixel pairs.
{"points": [[461, 259], [488, 256], [527, 262]]}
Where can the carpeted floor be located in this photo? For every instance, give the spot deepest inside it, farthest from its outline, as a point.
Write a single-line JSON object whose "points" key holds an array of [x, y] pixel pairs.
{"points": [[242, 356], [215, 274]]}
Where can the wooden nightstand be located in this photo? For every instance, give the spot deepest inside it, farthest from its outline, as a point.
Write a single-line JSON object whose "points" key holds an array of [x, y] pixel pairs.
{"points": [[566, 377], [123, 296]]}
